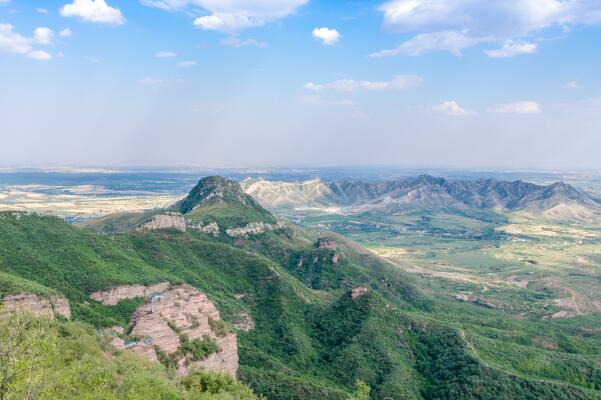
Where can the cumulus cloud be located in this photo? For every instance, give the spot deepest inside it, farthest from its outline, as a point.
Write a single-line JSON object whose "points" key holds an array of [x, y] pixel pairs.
{"points": [[519, 107], [65, 33], [451, 108], [40, 55], [399, 82], [232, 15], [326, 35], [39, 10], [235, 41], [512, 48], [482, 21], [165, 54], [93, 11], [43, 35], [13, 42]]}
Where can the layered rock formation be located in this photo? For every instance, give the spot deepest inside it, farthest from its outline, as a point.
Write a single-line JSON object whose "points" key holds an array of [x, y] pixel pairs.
{"points": [[254, 228], [165, 221], [40, 306], [179, 222], [114, 295], [170, 315]]}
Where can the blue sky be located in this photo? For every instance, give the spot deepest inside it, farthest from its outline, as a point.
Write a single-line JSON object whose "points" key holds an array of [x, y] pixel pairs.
{"points": [[438, 83]]}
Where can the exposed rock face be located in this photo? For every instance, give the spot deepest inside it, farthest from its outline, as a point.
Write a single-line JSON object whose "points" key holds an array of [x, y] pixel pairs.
{"points": [[38, 305], [115, 295], [165, 221], [254, 228], [171, 313], [61, 307], [358, 292], [245, 323], [325, 243], [210, 229], [179, 222]]}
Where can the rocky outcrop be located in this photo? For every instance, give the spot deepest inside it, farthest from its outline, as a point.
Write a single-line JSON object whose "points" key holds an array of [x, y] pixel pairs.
{"points": [[244, 323], [325, 243], [254, 228], [165, 221], [210, 229], [469, 298], [114, 295], [179, 222], [171, 314], [358, 292], [40, 306]]}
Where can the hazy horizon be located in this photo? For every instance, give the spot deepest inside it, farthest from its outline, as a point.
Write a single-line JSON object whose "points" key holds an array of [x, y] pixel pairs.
{"points": [[497, 85]]}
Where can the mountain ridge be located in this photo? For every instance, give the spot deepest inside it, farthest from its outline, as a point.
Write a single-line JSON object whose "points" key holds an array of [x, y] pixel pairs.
{"points": [[426, 190]]}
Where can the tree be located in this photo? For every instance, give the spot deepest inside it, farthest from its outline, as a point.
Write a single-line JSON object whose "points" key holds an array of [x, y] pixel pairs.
{"points": [[25, 352], [362, 391]]}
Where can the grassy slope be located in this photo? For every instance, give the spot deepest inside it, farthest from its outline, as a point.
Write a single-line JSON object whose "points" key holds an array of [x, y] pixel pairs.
{"points": [[304, 345], [50, 360]]}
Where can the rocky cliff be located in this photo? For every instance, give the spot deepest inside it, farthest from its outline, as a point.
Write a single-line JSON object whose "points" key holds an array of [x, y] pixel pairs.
{"points": [[167, 318], [28, 302]]}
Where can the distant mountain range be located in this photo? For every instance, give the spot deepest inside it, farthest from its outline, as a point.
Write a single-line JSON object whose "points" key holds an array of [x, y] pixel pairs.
{"points": [[556, 201]]}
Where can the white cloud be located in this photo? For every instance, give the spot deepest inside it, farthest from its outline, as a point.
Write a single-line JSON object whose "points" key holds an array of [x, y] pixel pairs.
{"points": [[451, 41], [165, 54], [92, 60], [232, 15], [483, 21], [512, 48], [13, 42], [451, 108], [39, 10], [4, 1], [235, 41], [520, 107], [94, 11], [40, 55], [65, 33], [43, 35], [572, 85], [60, 54], [348, 85], [187, 64], [326, 35]]}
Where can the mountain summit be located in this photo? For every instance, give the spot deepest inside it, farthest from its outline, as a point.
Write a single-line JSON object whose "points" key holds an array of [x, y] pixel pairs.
{"points": [[222, 200]]}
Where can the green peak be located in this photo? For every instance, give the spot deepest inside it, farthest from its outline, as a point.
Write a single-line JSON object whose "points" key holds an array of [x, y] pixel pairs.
{"points": [[222, 200], [215, 188]]}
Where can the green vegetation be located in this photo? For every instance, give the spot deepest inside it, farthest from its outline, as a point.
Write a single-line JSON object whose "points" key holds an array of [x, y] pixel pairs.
{"points": [[312, 339], [199, 349], [219, 327], [216, 199], [40, 359]]}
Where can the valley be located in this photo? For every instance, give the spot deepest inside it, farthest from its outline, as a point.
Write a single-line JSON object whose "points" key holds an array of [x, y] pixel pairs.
{"points": [[302, 295]]}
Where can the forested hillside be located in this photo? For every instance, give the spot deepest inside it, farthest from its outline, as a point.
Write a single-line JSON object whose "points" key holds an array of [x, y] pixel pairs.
{"points": [[313, 315]]}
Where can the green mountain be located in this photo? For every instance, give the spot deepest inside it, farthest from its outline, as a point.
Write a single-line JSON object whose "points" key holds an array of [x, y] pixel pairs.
{"points": [[312, 314], [222, 200]]}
